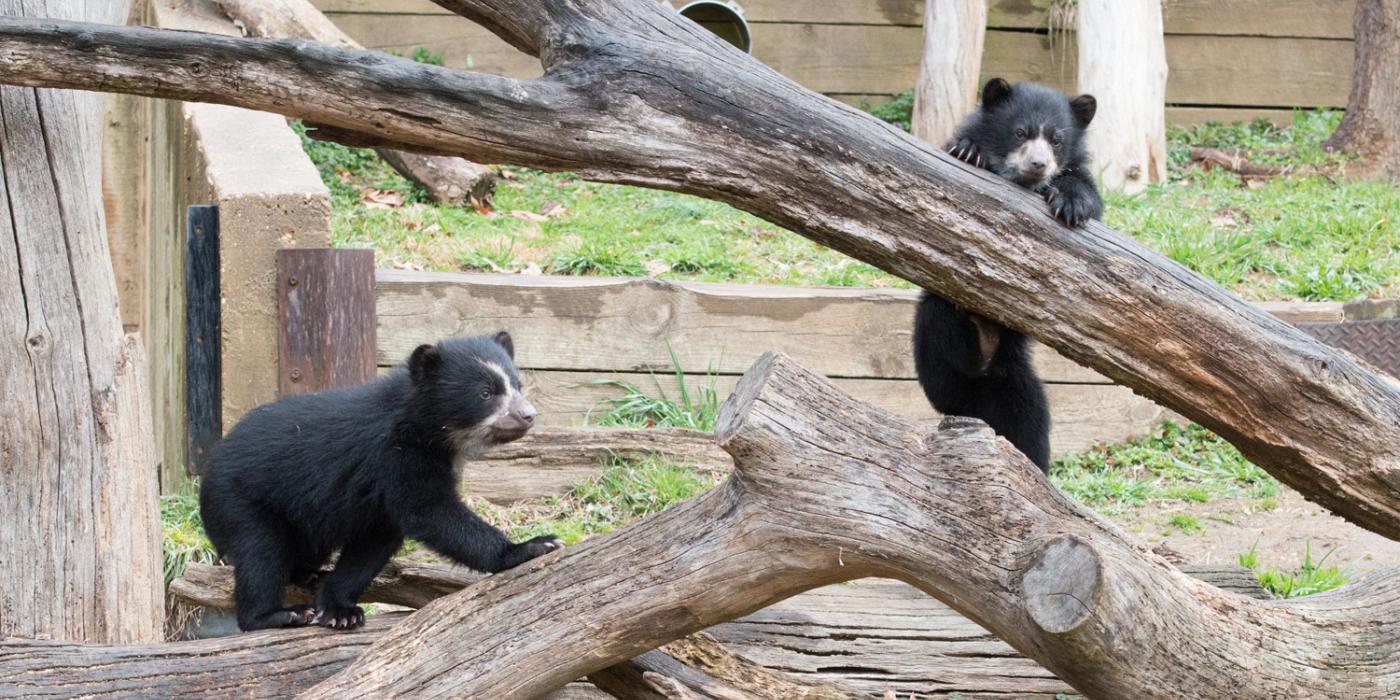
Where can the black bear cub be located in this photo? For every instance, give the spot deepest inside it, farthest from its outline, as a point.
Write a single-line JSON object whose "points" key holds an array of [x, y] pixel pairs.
{"points": [[969, 365], [358, 470]]}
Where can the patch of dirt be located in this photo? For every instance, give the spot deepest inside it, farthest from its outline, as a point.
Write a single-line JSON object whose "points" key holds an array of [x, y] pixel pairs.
{"points": [[1232, 526]]}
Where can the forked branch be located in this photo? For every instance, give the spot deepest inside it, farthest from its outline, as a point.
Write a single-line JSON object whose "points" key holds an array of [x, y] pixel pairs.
{"points": [[827, 489]]}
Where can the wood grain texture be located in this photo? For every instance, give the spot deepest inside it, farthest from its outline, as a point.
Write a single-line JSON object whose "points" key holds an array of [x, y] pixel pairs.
{"points": [[1123, 63], [447, 180], [815, 501], [633, 324], [203, 328], [79, 529], [326, 319], [1083, 414], [1296, 18], [549, 460], [710, 121], [1248, 71], [865, 635]]}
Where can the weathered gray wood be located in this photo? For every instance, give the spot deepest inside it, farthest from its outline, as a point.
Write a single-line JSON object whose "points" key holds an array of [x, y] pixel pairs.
{"points": [[866, 635], [326, 319], [702, 120], [548, 460], [634, 325], [814, 501], [79, 530], [1083, 413], [1307, 18], [447, 180]]}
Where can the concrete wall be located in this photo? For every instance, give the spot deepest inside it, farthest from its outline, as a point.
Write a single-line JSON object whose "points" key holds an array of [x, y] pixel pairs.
{"points": [[163, 156]]}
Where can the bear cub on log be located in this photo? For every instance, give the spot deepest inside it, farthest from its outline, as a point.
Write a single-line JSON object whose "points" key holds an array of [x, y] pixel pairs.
{"points": [[358, 470], [969, 365]]}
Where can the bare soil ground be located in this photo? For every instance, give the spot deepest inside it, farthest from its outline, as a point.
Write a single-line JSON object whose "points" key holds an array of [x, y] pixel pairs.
{"points": [[1232, 526]]}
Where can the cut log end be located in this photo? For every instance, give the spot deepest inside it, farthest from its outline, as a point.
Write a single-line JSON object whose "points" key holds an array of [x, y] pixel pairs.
{"points": [[1062, 589]]}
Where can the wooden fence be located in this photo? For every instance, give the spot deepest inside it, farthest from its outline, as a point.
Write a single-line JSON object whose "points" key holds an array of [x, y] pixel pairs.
{"points": [[571, 332], [1232, 59]]}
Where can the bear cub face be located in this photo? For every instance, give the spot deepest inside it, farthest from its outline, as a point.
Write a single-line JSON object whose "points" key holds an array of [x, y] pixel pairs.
{"points": [[468, 388], [1029, 132]]}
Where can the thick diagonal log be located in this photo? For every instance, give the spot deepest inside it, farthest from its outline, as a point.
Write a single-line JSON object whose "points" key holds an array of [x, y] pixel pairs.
{"points": [[447, 180], [827, 489], [635, 93]]}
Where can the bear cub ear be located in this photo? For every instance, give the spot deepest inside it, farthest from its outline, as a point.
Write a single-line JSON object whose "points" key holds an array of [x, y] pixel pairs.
{"points": [[502, 339], [1084, 108], [996, 90], [423, 361]]}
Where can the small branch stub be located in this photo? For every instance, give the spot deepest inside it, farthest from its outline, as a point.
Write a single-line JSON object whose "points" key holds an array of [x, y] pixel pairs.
{"points": [[1062, 588]]}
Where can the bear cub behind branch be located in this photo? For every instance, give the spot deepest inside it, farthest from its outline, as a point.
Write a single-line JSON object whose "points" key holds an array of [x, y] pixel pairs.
{"points": [[358, 470], [969, 365]]}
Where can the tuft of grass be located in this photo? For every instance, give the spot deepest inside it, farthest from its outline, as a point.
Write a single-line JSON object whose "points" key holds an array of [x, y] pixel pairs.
{"points": [[696, 408], [1174, 463], [598, 258], [1311, 577], [182, 532], [627, 490], [1188, 524]]}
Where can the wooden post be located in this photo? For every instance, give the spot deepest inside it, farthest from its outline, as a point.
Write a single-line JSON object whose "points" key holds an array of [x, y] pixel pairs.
{"points": [[326, 321], [203, 369]]}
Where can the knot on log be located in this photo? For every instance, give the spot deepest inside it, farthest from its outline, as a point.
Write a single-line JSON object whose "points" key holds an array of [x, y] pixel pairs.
{"points": [[1061, 589]]}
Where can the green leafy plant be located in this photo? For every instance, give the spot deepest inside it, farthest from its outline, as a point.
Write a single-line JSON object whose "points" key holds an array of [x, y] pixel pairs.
{"points": [[182, 532], [692, 407], [1310, 577]]}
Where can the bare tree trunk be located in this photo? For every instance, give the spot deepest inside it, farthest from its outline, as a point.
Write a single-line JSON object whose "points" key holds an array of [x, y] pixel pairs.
{"points": [[1371, 126], [704, 121], [1123, 64], [80, 537], [446, 179], [948, 72]]}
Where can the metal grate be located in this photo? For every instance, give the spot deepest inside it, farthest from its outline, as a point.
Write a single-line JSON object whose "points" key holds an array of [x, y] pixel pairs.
{"points": [[1377, 342]]}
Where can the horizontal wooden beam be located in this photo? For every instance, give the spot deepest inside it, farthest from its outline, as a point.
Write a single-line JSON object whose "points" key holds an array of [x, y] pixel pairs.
{"points": [[1298, 18]]}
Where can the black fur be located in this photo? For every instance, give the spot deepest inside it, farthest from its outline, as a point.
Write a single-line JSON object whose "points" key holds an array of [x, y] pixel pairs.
{"points": [[969, 365], [358, 470]]}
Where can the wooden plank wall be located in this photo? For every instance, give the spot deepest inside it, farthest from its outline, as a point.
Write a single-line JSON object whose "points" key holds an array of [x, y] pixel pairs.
{"points": [[570, 331], [1232, 59]]}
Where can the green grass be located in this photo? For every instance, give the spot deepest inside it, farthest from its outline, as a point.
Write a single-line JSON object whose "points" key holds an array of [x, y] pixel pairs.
{"points": [[1311, 577], [183, 541], [692, 407], [627, 490], [1173, 463], [1302, 237]]}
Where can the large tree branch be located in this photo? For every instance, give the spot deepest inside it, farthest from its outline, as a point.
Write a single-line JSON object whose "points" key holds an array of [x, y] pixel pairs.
{"points": [[635, 94], [827, 489], [447, 180]]}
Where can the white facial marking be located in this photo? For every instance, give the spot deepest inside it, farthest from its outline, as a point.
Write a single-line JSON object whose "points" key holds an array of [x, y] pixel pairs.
{"points": [[471, 442], [1020, 162]]}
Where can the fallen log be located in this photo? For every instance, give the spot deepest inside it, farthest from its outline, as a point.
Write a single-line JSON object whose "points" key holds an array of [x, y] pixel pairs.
{"points": [[634, 93], [826, 489], [447, 179], [879, 626]]}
